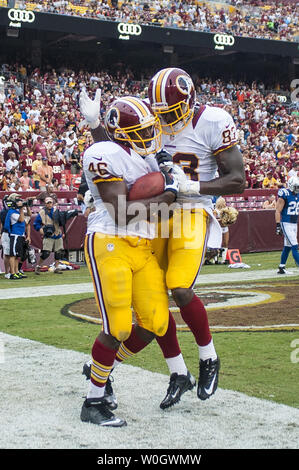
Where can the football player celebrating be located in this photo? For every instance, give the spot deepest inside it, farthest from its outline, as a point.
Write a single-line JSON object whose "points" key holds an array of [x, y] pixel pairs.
{"points": [[118, 248], [286, 217], [202, 141]]}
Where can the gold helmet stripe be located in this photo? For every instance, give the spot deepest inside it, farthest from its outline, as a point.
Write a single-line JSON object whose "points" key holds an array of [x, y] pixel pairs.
{"points": [[158, 94], [142, 108]]}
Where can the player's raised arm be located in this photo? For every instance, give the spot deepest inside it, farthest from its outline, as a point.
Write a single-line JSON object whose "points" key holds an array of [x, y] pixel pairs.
{"points": [[90, 110]]}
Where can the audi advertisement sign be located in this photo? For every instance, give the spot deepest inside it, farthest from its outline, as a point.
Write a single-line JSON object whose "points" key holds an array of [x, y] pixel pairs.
{"points": [[222, 40], [127, 30], [18, 17], [26, 19]]}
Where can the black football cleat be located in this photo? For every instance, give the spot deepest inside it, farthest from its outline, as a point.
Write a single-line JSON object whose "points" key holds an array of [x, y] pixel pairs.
{"points": [[208, 378], [109, 395], [96, 411], [281, 270], [87, 370], [178, 384]]}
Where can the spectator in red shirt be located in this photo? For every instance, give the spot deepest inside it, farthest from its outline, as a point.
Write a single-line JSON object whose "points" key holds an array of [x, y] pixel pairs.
{"points": [[57, 166], [26, 161], [60, 122], [40, 147], [11, 147], [240, 96]]}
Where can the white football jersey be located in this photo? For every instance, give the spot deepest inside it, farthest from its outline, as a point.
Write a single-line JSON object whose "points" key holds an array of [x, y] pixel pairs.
{"points": [[108, 162], [210, 131]]}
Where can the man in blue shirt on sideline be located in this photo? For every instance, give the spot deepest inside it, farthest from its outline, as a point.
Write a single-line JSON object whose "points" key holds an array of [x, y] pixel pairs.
{"points": [[15, 226]]}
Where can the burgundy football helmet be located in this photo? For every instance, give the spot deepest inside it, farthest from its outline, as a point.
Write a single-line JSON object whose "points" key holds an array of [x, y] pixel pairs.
{"points": [[130, 121], [172, 98]]}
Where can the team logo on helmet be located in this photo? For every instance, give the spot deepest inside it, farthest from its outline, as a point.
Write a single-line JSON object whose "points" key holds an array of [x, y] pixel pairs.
{"points": [[130, 122], [112, 118], [184, 84]]}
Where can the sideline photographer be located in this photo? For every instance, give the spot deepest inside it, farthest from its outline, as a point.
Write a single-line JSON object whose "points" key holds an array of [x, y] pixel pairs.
{"points": [[51, 235], [48, 223]]}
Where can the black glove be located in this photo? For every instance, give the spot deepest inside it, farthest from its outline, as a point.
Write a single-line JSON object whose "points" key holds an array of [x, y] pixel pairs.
{"points": [[278, 229], [164, 159], [171, 183]]}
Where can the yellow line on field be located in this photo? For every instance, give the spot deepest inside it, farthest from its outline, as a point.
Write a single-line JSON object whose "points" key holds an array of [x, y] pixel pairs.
{"points": [[274, 297], [98, 321], [230, 329]]}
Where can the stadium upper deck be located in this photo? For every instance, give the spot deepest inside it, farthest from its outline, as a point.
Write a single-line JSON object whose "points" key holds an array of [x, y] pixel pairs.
{"points": [[256, 19]]}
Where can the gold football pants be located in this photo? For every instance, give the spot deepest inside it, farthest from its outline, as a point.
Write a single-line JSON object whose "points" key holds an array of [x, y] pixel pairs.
{"points": [[126, 274], [181, 252]]}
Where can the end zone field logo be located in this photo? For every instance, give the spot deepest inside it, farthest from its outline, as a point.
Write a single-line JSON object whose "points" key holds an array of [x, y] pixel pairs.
{"points": [[244, 307]]}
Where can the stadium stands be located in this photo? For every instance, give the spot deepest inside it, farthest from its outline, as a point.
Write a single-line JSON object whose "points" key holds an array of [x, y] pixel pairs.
{"points": [[36, 102], [268, 20], [267, 128]]}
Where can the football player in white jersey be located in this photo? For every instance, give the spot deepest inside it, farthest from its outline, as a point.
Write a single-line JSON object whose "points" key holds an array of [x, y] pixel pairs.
{"points": [[118, 249], [202, 141]]}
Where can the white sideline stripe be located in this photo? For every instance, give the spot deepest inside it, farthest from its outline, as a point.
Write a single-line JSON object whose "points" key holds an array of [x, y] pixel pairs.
{"points": [[241, 275], [44, 291], [42, 398]]}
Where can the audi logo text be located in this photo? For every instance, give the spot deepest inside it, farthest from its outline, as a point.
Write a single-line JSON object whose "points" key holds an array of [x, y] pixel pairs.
{"points": [[23, 16], [282, 99], [128, 29], [222, 40]]}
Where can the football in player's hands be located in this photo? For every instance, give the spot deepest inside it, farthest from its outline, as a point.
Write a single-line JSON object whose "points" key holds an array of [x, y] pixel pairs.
{"points": [[149, 185]]}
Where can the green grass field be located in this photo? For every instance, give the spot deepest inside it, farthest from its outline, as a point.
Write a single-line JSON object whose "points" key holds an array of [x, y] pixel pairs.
{"points": [[256, 363]]}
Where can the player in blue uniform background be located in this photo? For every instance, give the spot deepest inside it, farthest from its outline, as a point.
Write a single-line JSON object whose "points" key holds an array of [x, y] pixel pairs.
{"points": [[286, 217]]}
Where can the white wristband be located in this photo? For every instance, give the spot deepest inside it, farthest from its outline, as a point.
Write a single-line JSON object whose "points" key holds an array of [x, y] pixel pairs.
{"points": [[194, 187]]}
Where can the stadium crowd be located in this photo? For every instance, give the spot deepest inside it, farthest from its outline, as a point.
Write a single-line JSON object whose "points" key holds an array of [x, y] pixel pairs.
{"points": [[41, 131], [267, 20]]}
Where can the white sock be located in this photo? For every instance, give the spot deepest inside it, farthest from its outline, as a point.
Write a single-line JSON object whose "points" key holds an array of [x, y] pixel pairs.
{"points": [[223, 256], [94, 391], [116, 363], [177, 365], [207, 352]]}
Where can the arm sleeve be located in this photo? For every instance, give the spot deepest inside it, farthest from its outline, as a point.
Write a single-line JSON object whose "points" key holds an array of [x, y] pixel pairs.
{"points": [[101, 170]]}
